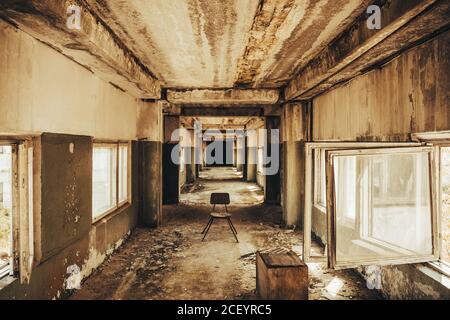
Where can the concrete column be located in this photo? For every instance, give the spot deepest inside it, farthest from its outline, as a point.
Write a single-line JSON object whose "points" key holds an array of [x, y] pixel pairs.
{"points": [[296, 130], [190, 158], [251, 155], [170, 169], [235, 154], [293, 181], [240, 153], [272, 187], [150, 213]]}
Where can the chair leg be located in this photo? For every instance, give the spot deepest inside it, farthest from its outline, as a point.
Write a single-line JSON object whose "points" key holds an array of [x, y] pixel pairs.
{"points": [[232, 229], [209, 221], [207, 230]]}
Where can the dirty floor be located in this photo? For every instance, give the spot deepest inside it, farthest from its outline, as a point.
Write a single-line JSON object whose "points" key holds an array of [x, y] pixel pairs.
{"points": [[172, 263]]}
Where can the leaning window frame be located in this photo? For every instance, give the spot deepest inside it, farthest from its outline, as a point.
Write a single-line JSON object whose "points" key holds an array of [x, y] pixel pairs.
{"points": [[331, 218], [438, 140], [319, 157], [310, 184], [118, 205]]}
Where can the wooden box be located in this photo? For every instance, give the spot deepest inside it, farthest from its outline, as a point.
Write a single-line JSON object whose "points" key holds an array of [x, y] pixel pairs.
{"points": [[281, 276]]}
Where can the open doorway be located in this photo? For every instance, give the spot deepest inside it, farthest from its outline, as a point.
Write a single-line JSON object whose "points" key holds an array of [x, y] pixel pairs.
{"points": [[224, 158]]}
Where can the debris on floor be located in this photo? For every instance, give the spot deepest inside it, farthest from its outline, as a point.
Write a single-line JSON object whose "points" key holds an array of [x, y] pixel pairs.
{"points": [[172, 262]]}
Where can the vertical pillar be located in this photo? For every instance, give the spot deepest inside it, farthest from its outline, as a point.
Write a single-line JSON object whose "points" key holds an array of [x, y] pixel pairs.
{"points": [[170, 169], [272, 188], [150, 213], [235, 153], [240, 152], [292, 182], [251, 156], [190, 160], [296, 128]]}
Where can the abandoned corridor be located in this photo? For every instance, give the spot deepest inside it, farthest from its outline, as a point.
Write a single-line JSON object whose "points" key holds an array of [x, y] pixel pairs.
{"points": [[173, 263]]}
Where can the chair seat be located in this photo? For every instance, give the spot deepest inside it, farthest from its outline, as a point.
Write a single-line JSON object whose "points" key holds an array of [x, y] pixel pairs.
{"points": [[220, 215]]}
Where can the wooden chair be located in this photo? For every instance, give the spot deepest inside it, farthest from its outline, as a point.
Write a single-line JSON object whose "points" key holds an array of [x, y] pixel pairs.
{"points": [[219, 199]]}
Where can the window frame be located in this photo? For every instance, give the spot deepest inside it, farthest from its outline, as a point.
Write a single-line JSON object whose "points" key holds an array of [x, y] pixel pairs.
{"points": [[331, 218], [445, 268], [438, 140], [22, 222], [310, 147], [118, 204], [128, 170], [319, 184], [11, 267]]}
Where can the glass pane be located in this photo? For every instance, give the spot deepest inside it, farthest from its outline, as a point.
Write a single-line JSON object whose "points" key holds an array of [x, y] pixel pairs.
{"points": [[445, 199], [123, 174], [320, 178], [5, 206], [382, 205], [104, 180]]}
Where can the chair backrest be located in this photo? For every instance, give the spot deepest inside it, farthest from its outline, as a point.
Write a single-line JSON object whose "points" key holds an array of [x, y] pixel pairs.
{"points": [[220, 198]]}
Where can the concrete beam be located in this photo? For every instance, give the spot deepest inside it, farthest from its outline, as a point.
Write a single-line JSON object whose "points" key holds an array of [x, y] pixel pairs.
{"points": [[354, 43], [436, 18], [222, 127], [227, 96], [223, 112], [92, 46]]}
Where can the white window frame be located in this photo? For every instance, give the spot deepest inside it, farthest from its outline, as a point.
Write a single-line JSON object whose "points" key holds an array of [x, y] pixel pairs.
{"points": [[128, 177], [442, 265], [437, 140], [331, 225], [22, 237], [319, 182], [310, 184], [118, 204]]}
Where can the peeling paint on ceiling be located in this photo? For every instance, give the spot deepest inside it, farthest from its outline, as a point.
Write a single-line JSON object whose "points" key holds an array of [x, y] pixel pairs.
{"points": [[226, 43]]}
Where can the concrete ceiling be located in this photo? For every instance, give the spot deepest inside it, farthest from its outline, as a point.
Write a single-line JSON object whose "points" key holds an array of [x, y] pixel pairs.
{"points": [[226, 43], [222, 123]]}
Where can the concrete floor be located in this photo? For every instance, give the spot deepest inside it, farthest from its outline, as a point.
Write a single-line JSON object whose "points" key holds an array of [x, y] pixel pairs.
{"points": [[222, 179], [172, 262]]}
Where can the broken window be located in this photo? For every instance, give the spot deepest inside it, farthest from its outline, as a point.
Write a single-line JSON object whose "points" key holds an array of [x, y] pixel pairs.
{"points": [[6, 209], [110, 176], [381, 207]]}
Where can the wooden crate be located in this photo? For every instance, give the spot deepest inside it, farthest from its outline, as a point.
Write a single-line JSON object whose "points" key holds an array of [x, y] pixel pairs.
{"points": [[281, 276]]}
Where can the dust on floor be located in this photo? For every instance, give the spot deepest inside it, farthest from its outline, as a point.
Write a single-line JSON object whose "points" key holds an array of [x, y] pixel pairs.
{"points": [[172, 263], [222, 179]]}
